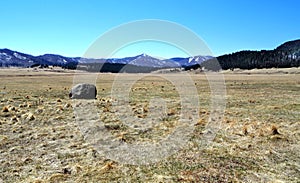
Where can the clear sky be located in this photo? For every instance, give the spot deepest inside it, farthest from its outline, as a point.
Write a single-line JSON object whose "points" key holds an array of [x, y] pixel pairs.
{"points": [[69, 27]]}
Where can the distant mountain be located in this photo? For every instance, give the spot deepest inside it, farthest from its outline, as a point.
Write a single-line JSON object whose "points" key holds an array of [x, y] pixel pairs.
{"points": [[190, 61], [148, 61], [9, 58], [58, 60], [293, 47], [144, 60], [285, 55]]}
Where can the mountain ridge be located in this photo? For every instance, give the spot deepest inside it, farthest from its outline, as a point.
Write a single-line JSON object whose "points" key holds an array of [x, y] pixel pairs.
{"points": [[285, 55], [10, 58]]}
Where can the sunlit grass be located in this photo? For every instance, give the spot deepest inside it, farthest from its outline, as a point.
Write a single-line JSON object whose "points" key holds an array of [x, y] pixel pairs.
{"points": [[258, 139]]}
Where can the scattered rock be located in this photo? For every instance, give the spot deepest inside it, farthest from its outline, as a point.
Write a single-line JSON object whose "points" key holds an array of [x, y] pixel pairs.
{"points": [[83, 91]]}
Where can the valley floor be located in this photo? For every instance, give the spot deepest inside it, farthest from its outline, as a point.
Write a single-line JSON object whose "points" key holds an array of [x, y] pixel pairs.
{"points": [[257, 137]]}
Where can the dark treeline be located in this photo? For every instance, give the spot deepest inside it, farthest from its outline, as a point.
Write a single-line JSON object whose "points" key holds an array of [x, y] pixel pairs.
{"points": [[110, 67], [259, 59], [285, 56]]}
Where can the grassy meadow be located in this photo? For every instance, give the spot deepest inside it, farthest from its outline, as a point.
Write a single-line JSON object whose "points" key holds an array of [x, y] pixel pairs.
{"points": [[258, 140]]}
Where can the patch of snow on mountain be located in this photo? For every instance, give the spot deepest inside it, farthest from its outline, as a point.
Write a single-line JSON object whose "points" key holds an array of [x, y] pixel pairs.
{"points": [[19, 56], [5, 56]]}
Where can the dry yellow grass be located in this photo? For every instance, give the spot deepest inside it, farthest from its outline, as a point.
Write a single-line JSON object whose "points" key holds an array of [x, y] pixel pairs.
{"points": [[258, 140]]}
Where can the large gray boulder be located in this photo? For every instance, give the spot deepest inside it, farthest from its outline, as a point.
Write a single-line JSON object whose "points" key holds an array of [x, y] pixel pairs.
{"points": [[83, 91]]}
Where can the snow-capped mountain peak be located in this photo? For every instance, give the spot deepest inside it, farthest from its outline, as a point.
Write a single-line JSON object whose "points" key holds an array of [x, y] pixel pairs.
{"points": [[14, 58]]}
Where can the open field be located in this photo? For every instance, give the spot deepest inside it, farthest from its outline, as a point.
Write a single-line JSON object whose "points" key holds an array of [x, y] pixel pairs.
{"points": [[258, 140]]}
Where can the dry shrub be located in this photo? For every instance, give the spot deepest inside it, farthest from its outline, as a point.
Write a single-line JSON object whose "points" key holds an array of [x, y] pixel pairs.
{"points": [[67, 105], [60, 108], [145, 109], [14, 118], [245, 130], [274, 130], [5, 109], [171, 112], [107, 167], [57, 177]]}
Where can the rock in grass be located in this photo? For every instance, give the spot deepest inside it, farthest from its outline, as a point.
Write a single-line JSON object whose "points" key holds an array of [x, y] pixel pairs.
{"points": [[83, 91]]}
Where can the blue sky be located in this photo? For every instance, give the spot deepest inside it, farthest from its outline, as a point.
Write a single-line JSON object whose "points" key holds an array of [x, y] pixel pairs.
{"points": [[69, 27]]}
